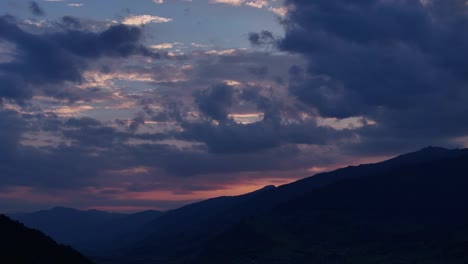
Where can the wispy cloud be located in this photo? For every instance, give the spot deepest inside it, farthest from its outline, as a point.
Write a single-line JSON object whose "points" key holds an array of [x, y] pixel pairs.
{"points": [[229, 2], [269, 5], [162, 46], [280, 11], [75, 4], [138, 20], [257, 3]]}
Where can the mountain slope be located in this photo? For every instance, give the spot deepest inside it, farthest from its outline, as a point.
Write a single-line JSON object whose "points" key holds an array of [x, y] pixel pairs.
{"points": [[21, 245], [67, 225], [88, 231], [414, 211], [311, 220], [185, 231]]}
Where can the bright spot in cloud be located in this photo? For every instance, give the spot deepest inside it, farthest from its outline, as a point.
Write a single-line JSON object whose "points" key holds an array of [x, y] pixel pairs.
{"points": [[75, 4], [257, 3], [346, 123], [72, 110], [232, 83], [280, 11], [221, 52], [229, 2], [139, 20], [248, 118], [162, 46]]}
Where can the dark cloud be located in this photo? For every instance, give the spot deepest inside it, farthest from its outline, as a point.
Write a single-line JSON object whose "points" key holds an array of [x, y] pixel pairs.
{"points": [[92, 154], [82, 122], [215, 102], [49, 167], [70, 22], [399, 63], [44, 61], [36, 9], [260, 71], [137, 122], [281, 124], [116, 41], [242, 67], [197, 164], [232, 137], [10, 134], [261, 39]]}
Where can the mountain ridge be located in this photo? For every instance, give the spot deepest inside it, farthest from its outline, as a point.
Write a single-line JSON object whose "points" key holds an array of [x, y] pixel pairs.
{"points": [[407, 214], [22, 245], [85, 230], [161, 239], [192, 230]]}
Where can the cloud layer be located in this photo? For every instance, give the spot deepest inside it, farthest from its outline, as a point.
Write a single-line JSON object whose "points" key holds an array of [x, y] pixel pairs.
{"points": [[399, 63], [97, 113]]}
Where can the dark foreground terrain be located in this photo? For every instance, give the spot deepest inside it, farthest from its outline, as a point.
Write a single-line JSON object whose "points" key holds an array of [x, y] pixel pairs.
{"points": [[410, 209], [21, 245]]}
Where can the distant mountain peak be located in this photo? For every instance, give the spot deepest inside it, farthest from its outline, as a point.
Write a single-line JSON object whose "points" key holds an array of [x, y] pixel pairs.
{"points": [[428, 154], [268, 187], [61, 209], [432, 149]]}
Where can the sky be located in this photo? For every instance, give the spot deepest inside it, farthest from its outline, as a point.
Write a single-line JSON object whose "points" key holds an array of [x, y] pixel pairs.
{"points": [[128, 105]]}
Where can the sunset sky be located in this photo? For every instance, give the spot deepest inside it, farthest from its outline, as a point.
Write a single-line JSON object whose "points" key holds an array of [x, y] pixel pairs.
{"points": [[126, 105]]}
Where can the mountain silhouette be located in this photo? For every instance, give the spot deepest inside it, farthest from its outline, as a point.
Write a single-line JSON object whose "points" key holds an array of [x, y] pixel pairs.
{"points": [[413, 211], [207, 232], [90, 231], [409, 209], [179, 232], [21, 245]]}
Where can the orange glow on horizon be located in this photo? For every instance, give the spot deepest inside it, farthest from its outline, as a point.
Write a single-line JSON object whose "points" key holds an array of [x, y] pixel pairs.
{"points": [[227, 190]]}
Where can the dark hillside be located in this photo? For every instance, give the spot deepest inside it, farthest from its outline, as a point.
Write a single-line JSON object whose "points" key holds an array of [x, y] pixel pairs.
{"points": [[21, 245], [412, 212]]}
